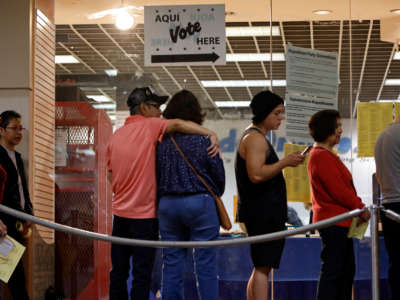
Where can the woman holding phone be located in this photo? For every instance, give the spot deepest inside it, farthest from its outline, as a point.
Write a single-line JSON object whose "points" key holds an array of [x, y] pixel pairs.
{"points": [[261, 187]]}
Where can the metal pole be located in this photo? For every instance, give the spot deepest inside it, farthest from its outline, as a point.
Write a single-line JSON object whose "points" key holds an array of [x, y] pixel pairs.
{"points": [[374, 252]]}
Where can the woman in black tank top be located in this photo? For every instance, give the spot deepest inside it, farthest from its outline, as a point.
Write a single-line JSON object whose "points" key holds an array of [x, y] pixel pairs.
{"points": [[261, 188]]}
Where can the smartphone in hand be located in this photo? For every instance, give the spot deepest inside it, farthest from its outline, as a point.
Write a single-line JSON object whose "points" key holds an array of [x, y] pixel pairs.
{"points": [[305, 151]]}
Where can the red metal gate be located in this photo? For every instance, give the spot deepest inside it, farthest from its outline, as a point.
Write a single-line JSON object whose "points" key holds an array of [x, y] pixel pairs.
{"points": [[83, 200]]}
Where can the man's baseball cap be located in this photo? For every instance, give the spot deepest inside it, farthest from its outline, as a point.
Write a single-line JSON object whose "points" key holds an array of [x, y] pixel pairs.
{"points": [[139, 95]]}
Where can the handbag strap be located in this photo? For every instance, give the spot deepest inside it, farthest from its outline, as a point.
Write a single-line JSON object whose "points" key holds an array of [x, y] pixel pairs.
{"points": [[191, 166]]}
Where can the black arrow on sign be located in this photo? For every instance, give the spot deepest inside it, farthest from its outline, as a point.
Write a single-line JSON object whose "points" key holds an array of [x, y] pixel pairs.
{"points": [[179, 58]]}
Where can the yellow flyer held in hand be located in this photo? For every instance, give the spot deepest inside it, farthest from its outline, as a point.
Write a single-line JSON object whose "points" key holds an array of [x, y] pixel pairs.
{"points": [[357, 231], [10, 253]]}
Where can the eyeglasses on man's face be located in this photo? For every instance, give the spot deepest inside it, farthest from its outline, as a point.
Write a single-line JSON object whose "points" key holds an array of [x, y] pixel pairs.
{"points": [[16, 128], [156, 105]]}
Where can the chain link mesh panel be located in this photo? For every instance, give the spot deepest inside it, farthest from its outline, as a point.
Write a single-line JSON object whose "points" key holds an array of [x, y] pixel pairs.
{"points": [[83, 200]]}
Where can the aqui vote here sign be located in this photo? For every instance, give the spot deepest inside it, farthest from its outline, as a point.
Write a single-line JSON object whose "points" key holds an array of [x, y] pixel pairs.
{"points": [[184, 35]]}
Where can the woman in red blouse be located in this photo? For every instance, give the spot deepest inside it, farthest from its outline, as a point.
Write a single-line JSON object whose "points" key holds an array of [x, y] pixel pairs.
{"points": [[333, 193]]}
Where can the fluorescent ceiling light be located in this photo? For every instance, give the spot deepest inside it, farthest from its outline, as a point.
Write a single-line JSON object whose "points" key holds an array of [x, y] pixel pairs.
{"points": [[111, 72], [66, 59], [395, 11], [232, 103], [254, 57], [396, 55], [100, 98], [252, 31], [105, 106], [322, 12], [392, 82], [242, 83]]}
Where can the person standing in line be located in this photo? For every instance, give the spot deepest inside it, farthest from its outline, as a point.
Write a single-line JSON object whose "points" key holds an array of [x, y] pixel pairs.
{"points": [[262, 205], [3, 227], [333, 193], [3, 179], [387, 160], [16, 193], [186, 210], [131, 156]]}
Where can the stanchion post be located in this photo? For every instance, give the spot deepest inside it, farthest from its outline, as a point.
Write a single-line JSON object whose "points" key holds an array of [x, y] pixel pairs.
{"points": [[374, 252]]}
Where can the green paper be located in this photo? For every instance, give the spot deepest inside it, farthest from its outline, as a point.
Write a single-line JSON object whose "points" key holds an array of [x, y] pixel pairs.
{"points": [[355, 231]]}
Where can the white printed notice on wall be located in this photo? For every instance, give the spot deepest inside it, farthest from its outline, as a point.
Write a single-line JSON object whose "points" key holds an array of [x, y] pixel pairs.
{"points": [[311, 86], [312, 72], [184, 35], [299, 109]]}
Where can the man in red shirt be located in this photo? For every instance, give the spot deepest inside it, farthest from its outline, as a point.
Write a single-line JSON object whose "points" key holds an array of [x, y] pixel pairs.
{"points": [[131, 163]]}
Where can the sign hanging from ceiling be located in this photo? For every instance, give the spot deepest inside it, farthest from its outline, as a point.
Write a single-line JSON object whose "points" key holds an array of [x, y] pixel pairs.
{"points": [[312, 85], [184, 35]]}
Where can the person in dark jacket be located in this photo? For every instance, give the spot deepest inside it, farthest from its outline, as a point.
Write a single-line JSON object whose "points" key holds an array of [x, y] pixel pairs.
{"points": [[261, 188], [3, 178], [16, 193]]}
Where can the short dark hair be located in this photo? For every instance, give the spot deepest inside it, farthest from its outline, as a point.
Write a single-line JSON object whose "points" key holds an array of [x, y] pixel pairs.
{"points": [[7, 116], [263, 104], [184, 105], [323, 124]]}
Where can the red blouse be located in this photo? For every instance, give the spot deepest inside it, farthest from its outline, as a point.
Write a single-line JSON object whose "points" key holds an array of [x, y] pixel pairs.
{"points": [[332, 187]]}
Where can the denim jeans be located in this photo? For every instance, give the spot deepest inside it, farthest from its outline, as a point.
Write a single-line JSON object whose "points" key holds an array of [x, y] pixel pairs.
{"points": [[183, 218], [338, 264], [142, 258]]}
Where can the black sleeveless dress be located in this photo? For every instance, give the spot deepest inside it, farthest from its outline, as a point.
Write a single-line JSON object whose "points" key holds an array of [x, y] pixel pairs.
{"points": [[262, 207]]}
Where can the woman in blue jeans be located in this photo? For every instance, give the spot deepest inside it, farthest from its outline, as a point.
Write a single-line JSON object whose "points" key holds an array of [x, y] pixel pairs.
{"points": [[186, 209]]}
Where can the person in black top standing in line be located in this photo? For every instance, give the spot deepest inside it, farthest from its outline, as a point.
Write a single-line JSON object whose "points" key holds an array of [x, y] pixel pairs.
{"points": [[261, 188], [16, 194]]}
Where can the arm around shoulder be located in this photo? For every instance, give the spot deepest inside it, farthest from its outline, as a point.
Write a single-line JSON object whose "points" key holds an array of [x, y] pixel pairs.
{"points": [[177, 125]]}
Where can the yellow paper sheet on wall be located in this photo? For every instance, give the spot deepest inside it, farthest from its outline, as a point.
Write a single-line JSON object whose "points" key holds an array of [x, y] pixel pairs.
{"points": [[297, 183], [372, 119], [397, 109]]}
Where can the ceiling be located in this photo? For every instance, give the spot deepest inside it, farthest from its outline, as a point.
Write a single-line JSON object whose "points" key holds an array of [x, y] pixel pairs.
{"points": [[101, 46], [77, 11]]}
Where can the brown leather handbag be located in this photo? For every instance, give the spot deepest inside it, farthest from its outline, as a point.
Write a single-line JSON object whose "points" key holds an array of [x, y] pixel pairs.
{"points": [[224, 220]]}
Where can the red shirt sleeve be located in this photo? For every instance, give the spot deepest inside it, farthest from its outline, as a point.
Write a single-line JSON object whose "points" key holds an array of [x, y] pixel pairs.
{"points": [[159, 126]]}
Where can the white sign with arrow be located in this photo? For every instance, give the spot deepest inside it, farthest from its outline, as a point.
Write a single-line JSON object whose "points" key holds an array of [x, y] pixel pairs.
{"points": [[184, 35]]}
